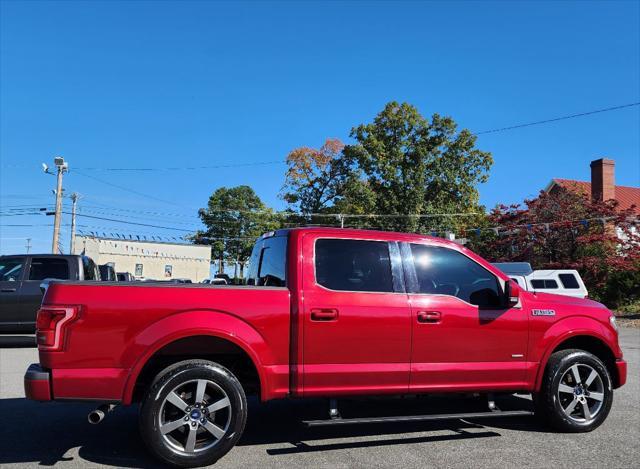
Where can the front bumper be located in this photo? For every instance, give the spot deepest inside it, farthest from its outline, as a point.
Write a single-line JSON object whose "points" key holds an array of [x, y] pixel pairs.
{"points": [[621, 365], [37, 383]]}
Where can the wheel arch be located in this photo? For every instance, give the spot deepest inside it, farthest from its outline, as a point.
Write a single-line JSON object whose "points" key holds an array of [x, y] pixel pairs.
{"points": [[589, 342], [197, 334]]}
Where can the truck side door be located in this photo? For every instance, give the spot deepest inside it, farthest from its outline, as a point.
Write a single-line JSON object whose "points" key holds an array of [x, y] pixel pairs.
{"points": [[464, 338], [356, 317], [11, 271]]}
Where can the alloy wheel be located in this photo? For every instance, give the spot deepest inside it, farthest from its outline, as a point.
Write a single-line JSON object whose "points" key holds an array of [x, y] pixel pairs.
{"points": [[581, 393], [194, 416]]}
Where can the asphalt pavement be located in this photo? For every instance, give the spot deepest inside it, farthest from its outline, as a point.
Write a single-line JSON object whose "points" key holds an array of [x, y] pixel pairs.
{"points": [[47, 434]]}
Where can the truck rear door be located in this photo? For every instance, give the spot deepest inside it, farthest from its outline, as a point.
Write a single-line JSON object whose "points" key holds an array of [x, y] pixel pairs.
{"points": [[356, 317]]}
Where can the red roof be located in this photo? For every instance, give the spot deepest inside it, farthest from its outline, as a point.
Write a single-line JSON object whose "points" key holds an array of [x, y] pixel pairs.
{"points": [[625, 195]]}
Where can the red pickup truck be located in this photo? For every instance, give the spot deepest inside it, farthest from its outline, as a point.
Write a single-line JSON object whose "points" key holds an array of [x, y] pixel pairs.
{"points": [[325, 313]]}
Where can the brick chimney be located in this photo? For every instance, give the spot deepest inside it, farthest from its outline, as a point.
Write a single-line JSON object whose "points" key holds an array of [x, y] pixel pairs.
{"points": [[603, 182]]}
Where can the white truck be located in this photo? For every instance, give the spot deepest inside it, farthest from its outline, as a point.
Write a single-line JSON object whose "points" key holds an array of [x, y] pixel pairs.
{"points": [[558, 281]]}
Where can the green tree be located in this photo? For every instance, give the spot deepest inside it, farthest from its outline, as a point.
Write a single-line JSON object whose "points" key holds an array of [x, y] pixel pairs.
{"points": [[234, 218], [568, 230], [415, 167], [320, 181]]}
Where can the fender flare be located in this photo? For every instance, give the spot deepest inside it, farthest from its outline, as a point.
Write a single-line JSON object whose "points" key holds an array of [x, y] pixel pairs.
{"points": [[568, 328], [212, 323]]}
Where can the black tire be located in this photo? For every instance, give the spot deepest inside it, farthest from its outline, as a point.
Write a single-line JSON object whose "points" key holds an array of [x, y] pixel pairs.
{"points": [[551, 403], [157, 409]]}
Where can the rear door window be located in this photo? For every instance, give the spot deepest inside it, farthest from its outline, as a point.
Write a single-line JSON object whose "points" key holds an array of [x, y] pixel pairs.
{"points": [[353, 265], [569, 281], [11, 269], [48, 267]]}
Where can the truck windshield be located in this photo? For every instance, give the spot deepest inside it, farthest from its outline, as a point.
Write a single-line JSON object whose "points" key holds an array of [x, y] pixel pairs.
{"points": [[268, 263]]}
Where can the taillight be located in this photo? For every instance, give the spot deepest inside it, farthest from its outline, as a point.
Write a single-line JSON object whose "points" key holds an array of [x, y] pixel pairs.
{"points": [[50, 326]]}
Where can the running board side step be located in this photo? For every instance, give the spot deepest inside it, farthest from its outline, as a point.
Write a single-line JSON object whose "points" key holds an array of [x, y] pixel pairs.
{"points": [[417, 418]]}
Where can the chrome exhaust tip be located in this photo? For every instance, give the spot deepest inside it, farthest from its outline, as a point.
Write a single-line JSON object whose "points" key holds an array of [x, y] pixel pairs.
{"points": [[97, 416]]}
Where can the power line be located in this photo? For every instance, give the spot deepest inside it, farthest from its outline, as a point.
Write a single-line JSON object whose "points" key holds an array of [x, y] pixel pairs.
{"points": [[133, 223], [555, 119], [126, 189], [262, 163], [190, 168]]}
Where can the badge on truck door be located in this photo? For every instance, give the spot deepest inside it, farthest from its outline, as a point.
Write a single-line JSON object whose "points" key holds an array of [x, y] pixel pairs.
{"points": [[543, 312]]}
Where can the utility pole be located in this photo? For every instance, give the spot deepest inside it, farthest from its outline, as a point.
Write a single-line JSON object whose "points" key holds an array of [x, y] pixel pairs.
{"points": [[62, 167], [28, 245], [74, 200]]}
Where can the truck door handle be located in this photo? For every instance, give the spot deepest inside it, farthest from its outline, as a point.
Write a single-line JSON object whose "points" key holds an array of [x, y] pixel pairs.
{"points": [[324, 314], [431, 317], [8, 290]]}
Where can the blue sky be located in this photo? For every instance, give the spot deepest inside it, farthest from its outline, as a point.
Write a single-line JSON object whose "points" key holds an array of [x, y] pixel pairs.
{"points": [[175, 84]]}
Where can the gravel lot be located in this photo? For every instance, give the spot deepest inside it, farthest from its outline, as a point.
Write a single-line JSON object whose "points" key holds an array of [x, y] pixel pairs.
{"points": [[48, 434]]}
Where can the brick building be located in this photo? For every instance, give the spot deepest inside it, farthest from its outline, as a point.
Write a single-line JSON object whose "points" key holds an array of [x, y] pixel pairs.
{"points": [[602, 186]]}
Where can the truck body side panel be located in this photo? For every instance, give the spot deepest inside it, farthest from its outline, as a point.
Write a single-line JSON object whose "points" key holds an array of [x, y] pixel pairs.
{"points": [[121, 325]]}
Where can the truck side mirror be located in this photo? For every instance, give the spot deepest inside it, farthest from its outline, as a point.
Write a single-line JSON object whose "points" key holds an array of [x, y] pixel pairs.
{"points": [[512, 293]]}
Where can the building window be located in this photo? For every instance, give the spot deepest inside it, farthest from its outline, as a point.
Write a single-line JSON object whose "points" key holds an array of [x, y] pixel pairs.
{"points": [[168, 271], [138, 270]]}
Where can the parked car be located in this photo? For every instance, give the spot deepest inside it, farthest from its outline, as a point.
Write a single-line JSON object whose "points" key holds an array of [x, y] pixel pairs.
{"points": [[20, 279], [559, 282], [125, 277], [107, 273], [224, 277], [180, 280], [325, 313], [214, 281]]}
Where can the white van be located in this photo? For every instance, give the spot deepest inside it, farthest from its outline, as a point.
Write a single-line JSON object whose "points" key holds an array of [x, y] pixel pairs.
{"points": [[561, 282]]}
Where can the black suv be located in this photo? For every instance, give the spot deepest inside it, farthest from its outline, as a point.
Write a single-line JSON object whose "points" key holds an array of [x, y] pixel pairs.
{"points": [[20, 279]]}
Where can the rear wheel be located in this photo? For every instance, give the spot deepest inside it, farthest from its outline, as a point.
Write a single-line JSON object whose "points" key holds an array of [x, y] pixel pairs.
{"points": [[193, 413], [576, 393]]}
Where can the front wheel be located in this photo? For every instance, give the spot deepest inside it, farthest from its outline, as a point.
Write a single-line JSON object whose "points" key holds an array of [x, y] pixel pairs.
{"points": [[576, 393], [193, 413]]}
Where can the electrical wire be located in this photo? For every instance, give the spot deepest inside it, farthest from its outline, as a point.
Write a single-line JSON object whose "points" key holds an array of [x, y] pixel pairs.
{"points": [[263, 163], [555, 119], [190, 168], [141, 194]]}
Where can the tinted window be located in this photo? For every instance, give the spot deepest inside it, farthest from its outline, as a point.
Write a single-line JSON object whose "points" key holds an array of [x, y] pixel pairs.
{"points": [[90, 269], [544, 284], [353, 265], [43, 267], [11, 269], [107, 273], [569, 281], [268, 263], [443, 271]]}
